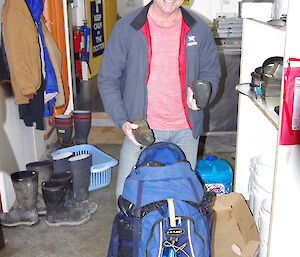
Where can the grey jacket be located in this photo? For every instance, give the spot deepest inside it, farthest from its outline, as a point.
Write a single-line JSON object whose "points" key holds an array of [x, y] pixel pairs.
{"points": [[123, 73]]}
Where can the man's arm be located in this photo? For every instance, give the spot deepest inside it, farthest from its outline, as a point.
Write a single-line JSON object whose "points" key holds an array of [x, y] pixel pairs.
{"points": [[113, 63], [209, 61]]}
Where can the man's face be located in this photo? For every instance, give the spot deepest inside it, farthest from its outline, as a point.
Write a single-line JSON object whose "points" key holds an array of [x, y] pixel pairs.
{"points": [[167, 6]]}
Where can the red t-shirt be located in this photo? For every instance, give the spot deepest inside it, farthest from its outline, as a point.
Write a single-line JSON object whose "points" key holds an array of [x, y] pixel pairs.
{"points": [[165, 109]]}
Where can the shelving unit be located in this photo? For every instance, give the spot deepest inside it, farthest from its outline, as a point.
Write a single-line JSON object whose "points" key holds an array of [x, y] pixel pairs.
{"points": [[259, 129], [257, 124]]}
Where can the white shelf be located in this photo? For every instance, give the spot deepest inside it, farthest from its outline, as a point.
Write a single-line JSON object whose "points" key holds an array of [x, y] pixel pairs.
{"points": [[259, 129], [267, 110]]}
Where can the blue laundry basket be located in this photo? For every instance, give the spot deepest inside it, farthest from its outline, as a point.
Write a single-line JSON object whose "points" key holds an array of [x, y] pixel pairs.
{"points": [[100, 167]]}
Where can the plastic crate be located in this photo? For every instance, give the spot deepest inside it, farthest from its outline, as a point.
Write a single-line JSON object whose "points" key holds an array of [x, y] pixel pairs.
{"points": [[100, 167]]}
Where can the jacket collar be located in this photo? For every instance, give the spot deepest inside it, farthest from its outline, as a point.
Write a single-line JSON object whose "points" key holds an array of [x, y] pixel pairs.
{"points": [[140, 20]]}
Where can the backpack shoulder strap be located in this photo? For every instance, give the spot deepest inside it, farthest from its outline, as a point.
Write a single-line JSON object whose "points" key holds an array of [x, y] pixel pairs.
{"points": [[114, 239]]}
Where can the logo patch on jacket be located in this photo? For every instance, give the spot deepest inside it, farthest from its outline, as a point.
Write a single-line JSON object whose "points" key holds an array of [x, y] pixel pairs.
{"points": [[192, 41]]}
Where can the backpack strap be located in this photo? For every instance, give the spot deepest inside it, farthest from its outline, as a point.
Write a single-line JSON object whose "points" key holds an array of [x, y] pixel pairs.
{"points": [[136, 222], [130, 210], [114, 239], [204, 206], [171, 210]]}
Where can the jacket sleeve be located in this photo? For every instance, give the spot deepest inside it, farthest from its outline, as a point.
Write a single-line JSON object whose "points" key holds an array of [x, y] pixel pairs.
{"points": [[209, 61], [113, 63]]}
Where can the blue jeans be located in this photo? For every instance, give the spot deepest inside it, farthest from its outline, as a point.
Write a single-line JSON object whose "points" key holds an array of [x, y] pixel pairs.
{"points": [[130, 152]]}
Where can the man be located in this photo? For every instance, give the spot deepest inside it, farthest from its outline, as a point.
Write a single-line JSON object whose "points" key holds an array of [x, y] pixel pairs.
{"points": [[152, 56]]}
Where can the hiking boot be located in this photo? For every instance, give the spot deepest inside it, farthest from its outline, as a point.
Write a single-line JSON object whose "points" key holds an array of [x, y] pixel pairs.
{"points": [[202, 92], [143, 134]]}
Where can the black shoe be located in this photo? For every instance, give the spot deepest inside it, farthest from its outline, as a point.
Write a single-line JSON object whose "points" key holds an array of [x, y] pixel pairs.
{"points": [[202, 92]]}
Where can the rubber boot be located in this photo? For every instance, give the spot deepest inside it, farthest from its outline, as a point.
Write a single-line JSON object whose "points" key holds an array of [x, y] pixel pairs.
{"points": [[64, 129], [65, 178], [82, 124], [57, 213], [80, 168], [44, 171], [61, 162], [23, 211]]}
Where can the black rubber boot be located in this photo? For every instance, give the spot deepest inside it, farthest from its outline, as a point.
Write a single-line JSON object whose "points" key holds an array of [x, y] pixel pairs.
{"points": [[64, 129], [61, 162], [44, 171], [65, 178], [23, 211], [80, 168], [57, 213], [82, 124]]}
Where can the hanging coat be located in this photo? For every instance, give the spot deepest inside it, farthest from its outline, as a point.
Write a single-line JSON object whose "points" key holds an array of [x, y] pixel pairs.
{"points": [[22, 50], [56, 60], [36, 8]]}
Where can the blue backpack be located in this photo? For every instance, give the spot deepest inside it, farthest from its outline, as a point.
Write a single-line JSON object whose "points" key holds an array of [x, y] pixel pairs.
{"points": [[164, 211]]}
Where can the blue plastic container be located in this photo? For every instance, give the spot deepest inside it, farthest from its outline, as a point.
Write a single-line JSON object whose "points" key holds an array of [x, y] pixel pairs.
{"points": [[215, 174], [100, 167]]}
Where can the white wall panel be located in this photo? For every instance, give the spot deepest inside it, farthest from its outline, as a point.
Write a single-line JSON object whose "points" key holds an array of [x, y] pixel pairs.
{"points": [[27, 144]]}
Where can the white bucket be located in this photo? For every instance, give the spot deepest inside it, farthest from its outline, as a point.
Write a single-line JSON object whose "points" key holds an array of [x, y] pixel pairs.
{"points": [[263, 250], [263, 176], [251, 183], [264, 220]]}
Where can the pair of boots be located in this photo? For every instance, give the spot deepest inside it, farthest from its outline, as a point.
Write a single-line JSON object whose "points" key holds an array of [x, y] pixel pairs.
{"points": [[64, 127], [66, 194], [29, 201]]}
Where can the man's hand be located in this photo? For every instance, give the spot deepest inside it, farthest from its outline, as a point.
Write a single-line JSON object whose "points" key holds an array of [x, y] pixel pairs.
{"points": [[128, 128], [191, 102]]}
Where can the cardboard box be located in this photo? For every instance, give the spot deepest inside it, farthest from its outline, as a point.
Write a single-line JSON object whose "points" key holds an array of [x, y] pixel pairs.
{"points": [[234, 230]]}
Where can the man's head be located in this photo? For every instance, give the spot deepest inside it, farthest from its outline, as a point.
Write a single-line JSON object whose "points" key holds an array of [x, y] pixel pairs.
{"points": [[167, 7]]}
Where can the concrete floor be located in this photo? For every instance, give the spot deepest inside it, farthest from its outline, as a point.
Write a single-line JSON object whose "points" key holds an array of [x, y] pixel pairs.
{"points": [[92, 238]]}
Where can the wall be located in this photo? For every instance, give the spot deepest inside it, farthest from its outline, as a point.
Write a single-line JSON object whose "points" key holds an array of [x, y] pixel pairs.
{"points": [[27, 143], [208, 9]]}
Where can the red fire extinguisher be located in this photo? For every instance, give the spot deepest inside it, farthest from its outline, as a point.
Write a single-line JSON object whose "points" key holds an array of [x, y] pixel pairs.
{"points": [[77, 52]]}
